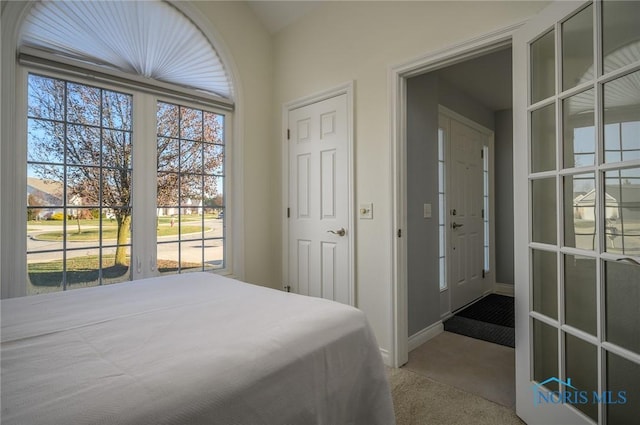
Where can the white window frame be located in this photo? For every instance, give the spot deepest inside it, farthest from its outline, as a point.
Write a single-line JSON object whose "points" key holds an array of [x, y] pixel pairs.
{"points": [[13, 113]]}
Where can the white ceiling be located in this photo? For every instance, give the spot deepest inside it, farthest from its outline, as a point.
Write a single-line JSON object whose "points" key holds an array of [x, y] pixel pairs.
{"points": [[276, 15], [486, 79]]}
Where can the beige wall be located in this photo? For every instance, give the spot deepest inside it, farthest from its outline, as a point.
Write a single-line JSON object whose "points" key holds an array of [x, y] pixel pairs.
{"points": [[249, 49], [360, 41]]}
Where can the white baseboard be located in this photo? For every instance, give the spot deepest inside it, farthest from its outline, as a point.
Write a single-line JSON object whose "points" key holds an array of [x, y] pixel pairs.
{"points": [[425, 335], [503, 289]]}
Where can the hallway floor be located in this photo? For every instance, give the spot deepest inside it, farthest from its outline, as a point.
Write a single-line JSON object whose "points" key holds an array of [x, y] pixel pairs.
{"points": [[478, 367]]}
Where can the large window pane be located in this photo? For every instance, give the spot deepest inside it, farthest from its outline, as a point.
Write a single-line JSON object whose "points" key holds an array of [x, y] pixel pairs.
{"points": [[116, 149], [580, 211], [191, 124], [543, 63], [545, 354], [76, 203], [213, 254], [577, 48], [112, 272], [622, 292], [116, 112], [191, 224], [45, 271], [622, 118], [168, 154], [168, 256], [543, 139], [45, 141], [623, 377], [191, 157], [579, 137], [544, 210], [545, 283], [168, 119], [190, 184], [84, 145], [167, 191], [46, 97], [580, 293], [116, 187], [83, 268], [622, 225], [213, 127], [83, 104], [581, 366], [45, 188], [214, 159], [191, 256], [620, 33], [190, 190]]}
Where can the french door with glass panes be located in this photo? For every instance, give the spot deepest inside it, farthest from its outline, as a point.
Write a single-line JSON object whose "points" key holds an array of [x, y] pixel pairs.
{"points": [[577, 213]]}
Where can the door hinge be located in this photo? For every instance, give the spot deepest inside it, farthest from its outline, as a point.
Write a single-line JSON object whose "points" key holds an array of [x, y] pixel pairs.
{"points": [[482, 153], [483, 273], [288, 134], [399, 233], [288, 212], [287, 288], [483, 213]]}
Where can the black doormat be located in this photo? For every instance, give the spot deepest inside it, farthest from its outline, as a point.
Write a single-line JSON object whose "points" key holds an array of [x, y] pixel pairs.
{"points": [[490, 319]]}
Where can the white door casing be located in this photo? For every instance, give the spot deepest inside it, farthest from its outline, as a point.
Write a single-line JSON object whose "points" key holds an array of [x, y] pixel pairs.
{"points": [[319, 226], [398, 75], [465, 195]]}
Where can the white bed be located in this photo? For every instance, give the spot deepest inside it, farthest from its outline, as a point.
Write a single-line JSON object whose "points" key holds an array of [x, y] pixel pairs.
{"points": [[195, 348]]}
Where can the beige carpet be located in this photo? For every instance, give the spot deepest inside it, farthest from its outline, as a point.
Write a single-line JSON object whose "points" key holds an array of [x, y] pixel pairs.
{"points": [[419, 400], [475, 366]]}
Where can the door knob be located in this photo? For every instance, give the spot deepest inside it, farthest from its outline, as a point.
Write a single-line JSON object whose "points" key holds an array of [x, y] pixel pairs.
{"points": [[456, 225], [339, 232]]}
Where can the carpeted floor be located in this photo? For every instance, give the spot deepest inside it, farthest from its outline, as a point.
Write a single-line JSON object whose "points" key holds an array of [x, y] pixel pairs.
{"points": [[490, 319], [478, 367], [419, 400]]}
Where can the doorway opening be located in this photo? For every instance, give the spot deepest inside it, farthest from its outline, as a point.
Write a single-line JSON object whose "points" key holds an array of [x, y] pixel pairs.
{"points": [[458, 164]]}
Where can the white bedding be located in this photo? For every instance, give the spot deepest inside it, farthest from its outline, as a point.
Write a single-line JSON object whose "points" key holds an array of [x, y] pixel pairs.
{"points": [[195, 348]]}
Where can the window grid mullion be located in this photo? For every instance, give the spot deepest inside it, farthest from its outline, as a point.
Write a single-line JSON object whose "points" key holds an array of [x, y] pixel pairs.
{"points": [[65, 196]]}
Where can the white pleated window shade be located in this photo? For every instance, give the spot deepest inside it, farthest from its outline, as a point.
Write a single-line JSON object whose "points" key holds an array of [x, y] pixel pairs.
{"points": [[151, 39]]}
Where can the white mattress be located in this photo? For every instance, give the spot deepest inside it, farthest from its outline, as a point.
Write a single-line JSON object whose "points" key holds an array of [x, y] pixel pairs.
{"points": [[195, 348]]}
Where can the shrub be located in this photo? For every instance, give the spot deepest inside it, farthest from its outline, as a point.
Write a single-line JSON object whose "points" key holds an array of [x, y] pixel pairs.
{"points": [[57, 216]]}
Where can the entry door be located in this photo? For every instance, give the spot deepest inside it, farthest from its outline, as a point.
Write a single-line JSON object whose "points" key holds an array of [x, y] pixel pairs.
{"points": [[465, 192], [577, 214], [319, 234]]}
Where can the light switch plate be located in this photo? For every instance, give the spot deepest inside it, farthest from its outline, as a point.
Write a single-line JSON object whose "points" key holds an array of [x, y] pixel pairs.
{"points": [[427, 210], [365, 211]]}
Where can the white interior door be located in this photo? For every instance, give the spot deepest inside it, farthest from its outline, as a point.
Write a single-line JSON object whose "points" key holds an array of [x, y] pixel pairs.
{"points": [[465, 194], [577, 214], [319, 234]]}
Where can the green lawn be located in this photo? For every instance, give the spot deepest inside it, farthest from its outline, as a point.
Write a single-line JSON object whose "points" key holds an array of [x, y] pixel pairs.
{"points": [[110, 232], [83, 271]]}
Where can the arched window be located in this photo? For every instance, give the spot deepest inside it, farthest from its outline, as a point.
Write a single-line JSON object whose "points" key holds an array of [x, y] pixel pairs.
{"points": [[128, 123], [150, 39]]}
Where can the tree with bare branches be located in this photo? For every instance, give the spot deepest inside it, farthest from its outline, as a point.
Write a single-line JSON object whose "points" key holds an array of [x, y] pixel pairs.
{"points": [[82, 136]]}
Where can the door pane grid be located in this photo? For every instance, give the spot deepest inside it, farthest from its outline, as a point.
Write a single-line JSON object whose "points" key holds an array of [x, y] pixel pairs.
{"points": [[611, 189]]}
